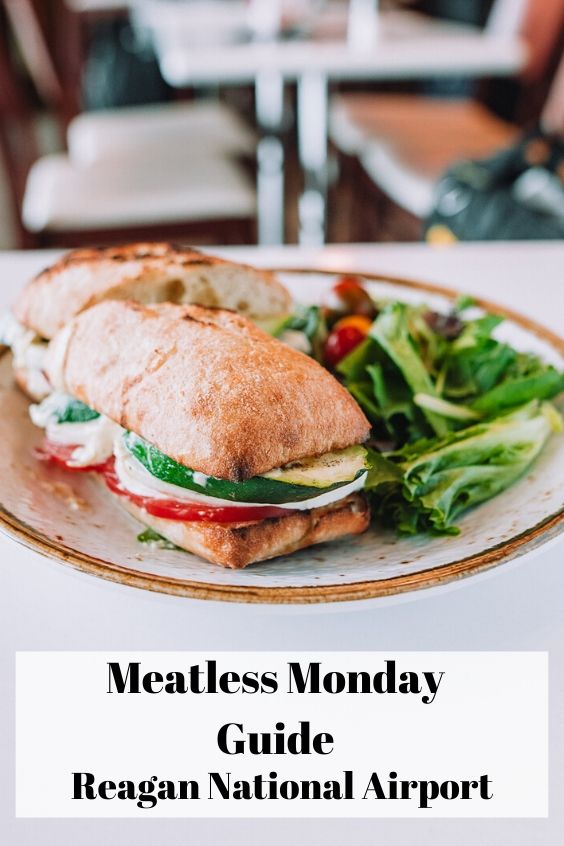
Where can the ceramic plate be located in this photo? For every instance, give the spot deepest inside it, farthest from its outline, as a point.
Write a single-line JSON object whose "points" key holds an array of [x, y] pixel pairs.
{"points": [[69, 517]]}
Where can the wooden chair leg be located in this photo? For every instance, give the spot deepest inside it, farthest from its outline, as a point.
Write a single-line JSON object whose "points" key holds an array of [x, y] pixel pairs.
{"points": [[346, 204], [379, 218], [206, 233]]}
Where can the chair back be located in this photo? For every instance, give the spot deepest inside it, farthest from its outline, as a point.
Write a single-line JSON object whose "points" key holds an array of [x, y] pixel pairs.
{"points": [[543, 31], [29, 32], [18, 142], [553, 112], [506, 18], [29, 35], [540, 24]]}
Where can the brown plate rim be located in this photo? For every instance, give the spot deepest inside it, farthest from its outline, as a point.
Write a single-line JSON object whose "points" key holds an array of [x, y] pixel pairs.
{"points": [[505, 551]]}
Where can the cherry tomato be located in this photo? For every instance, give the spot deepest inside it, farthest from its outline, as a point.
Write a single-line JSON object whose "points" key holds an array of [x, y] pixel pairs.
{"points": [[192, 512], [348, 296], [347, 334]]}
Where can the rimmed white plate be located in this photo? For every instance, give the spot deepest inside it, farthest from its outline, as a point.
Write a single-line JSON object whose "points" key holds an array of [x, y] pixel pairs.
{"points": [[69, 517]]}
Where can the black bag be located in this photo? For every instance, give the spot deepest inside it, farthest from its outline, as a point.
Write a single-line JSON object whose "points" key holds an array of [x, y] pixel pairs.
{"points": [[119, 71], [518, 194]]}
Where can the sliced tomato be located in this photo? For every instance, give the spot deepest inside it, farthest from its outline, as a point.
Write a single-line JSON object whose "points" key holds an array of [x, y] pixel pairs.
{"points": [[61, 454], [169, 509], [191, 512]]}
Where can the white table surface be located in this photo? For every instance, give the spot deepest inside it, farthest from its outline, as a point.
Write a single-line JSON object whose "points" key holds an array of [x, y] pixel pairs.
{"points": [[44, 605], [95, 5], [409, 46]]}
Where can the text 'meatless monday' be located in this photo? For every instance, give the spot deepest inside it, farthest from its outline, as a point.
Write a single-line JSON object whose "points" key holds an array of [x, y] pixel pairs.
{"points": [[234, 739]]}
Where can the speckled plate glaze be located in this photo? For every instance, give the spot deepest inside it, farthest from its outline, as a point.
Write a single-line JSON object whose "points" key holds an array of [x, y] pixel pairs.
{"points": [[68, 516]]}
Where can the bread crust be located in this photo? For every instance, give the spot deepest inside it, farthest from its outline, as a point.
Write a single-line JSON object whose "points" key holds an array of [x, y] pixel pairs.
{"points": [[236, 547], [207, 387], [147, 273]]}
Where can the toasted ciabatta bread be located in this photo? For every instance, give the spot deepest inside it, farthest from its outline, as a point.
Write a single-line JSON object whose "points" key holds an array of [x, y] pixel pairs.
{"points": [[237, 546], [206, 387], [146, 273]]}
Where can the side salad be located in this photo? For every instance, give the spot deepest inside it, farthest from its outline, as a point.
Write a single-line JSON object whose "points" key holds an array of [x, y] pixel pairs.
{"points": [[457, 414]]}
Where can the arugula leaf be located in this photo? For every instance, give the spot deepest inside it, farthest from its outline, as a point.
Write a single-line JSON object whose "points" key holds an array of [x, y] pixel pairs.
{"points": [[75, 412], [149, 536], [401, 417], [472, 370], [390, 331], [546, 383], [362, 392], [464, 301], [476, 331], [353, 366]]}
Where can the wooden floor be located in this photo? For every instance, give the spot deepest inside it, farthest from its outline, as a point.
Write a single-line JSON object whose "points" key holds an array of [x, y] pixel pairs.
{"points": [[356, 210]]}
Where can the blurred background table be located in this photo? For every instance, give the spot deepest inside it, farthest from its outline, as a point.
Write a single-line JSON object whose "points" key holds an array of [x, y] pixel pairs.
{"points": [[209, 120], [400, 45]]}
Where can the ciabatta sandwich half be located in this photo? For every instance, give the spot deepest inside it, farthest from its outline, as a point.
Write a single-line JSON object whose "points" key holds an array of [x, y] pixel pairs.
{"points": [[145, 273], [227, 442]]}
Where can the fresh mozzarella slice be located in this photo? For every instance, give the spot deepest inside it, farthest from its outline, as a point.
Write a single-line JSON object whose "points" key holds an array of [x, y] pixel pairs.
{"points": [[28, 350], [94, 439], [296, 339], [47, 412], [57, 353], [16, 336]]}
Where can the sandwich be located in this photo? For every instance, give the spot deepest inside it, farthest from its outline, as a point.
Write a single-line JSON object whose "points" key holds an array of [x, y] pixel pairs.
{"points": [[146, 273], [220, 438]]}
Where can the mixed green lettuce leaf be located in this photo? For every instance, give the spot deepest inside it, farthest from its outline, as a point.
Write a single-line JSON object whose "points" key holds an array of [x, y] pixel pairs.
{"points": [[310, 321], [414, 379], [439, 478], [462, 414]]}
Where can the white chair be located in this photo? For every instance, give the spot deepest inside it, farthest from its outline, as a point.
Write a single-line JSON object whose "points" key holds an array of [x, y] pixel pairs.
{"points": [[65, 203], [155, 130], [404, 142], [193, 189]]}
